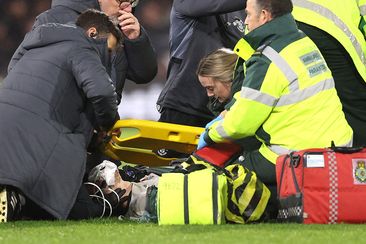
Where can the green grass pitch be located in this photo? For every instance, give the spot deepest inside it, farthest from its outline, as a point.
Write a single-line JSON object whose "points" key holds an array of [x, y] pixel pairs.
{"points": [[108, 231]]}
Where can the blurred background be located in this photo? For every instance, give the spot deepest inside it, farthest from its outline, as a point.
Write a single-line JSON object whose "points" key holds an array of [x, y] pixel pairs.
{"points": [[138, 101]]}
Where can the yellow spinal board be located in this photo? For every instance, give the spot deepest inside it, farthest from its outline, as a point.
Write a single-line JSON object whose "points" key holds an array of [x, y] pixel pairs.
{"points": [[139, 138]]}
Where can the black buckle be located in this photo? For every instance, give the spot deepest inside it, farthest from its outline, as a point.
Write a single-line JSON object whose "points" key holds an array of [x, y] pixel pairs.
{"points": [[294, 160]]}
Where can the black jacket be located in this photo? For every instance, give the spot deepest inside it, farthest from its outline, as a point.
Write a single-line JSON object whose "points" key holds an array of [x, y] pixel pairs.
{"points": [[42, 103], [197, 28], [136, 61]]}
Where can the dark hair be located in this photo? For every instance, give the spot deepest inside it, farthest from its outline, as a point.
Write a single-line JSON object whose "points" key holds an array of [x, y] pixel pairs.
{"points": [[100, 21], [277, 8]]}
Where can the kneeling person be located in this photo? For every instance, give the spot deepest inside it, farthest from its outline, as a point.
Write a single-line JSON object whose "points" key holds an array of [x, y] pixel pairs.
{"points": [[42, 102], [287, 100]]}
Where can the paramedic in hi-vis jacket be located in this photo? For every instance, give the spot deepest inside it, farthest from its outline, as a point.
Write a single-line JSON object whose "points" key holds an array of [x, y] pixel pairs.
{"points": [[338, 29], [288, 99]]}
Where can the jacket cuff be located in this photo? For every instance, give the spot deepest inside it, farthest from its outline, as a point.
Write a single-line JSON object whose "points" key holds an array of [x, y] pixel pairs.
{"points": [[207, 138], [141, 38]]}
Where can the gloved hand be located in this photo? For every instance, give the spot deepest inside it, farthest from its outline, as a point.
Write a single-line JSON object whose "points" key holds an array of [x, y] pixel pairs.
{"points": [[213, 121], [201, 142]]}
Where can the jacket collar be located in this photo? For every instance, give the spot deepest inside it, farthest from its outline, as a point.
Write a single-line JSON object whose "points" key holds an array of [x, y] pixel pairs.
{"points": [[280, 26]]}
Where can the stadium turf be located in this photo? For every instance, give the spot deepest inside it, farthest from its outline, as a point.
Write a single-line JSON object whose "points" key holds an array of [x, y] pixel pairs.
{"points": [[115, 231]]}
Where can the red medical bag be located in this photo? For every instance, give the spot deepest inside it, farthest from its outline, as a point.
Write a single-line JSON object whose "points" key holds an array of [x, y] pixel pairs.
{"points": [[220, 154], [324, 186]]}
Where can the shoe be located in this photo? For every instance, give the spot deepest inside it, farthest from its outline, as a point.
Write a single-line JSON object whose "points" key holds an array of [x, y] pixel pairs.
{"points": [[11, 203]]}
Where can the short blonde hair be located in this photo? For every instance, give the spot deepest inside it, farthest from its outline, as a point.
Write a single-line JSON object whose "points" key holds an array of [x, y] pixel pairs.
{"points": [[219, 65]]}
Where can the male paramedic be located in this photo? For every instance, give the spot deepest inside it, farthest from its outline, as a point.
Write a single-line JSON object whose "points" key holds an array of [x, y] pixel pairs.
{"points": [[288, 99]]}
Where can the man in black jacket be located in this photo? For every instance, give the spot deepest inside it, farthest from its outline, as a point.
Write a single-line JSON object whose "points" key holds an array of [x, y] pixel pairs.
{"points": [[43, 150], [197, 28], [135, 58], [136, 61]]}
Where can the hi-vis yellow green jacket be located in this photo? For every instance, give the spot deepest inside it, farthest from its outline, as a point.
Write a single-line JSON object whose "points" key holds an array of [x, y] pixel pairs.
{"points": [[288, 99], [344, 20]]}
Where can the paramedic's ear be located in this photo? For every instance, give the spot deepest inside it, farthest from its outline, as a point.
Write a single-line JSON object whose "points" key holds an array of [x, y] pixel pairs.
{"points": [[92, 32]]}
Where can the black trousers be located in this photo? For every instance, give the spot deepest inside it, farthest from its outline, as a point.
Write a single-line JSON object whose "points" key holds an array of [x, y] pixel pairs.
{"points": [[266, 172], [350, 86], [176, 117], [84, 208]]}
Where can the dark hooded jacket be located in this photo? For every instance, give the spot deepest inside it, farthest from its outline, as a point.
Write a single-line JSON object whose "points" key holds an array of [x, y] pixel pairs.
{"points": [[196, 29], [42, 103], [136, 61]]}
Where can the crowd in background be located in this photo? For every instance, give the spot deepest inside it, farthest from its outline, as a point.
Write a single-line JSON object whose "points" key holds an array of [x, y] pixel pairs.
{"points": [[17, 17]]}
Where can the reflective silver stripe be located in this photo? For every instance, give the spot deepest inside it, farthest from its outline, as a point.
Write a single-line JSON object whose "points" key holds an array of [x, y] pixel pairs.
{"points": [[281, 63], [220, 130], [338, 22], [306, 93], [282, 150], [258, 96], [363, 10], [348, 144], [279, 150]]}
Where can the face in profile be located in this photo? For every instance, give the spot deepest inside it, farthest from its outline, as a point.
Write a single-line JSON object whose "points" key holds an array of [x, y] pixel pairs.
{"points": [[111, 39], [125, 5], [112, 7], [255, 16], [215, 88]]}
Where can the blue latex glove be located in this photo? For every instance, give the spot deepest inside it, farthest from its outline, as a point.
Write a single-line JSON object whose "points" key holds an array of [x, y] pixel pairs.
{"points": [[213, 121], [201, 142]]}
